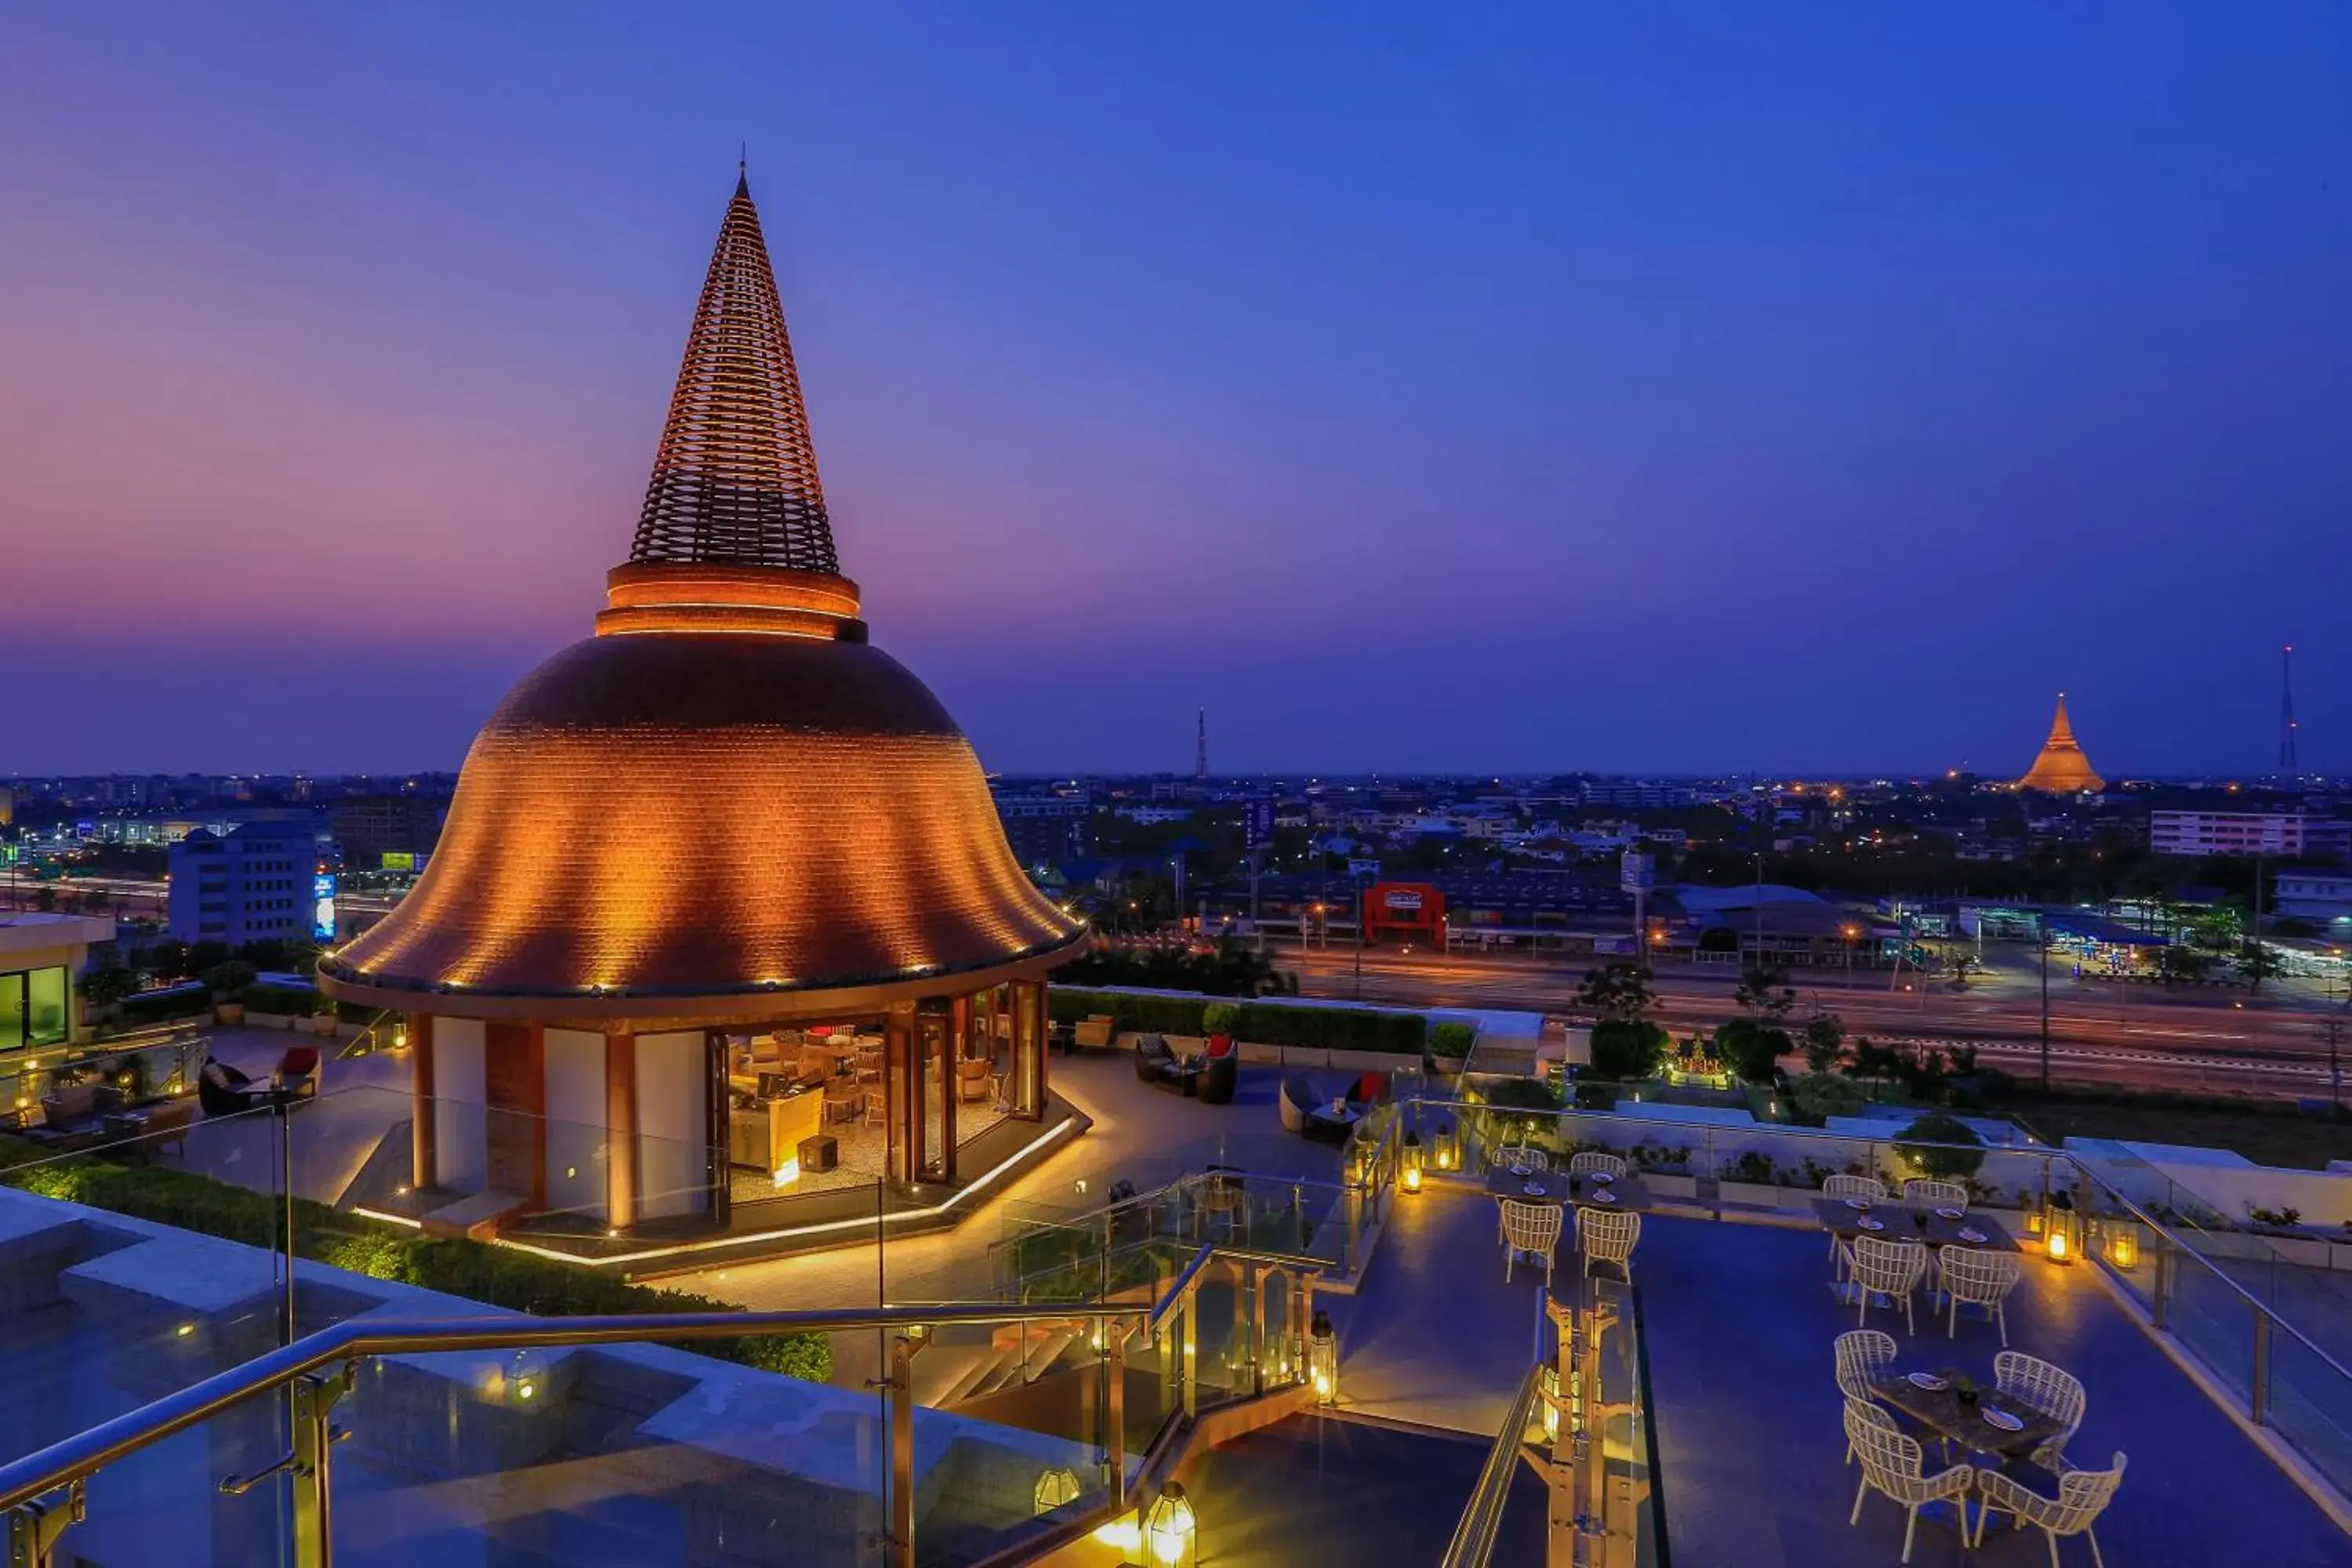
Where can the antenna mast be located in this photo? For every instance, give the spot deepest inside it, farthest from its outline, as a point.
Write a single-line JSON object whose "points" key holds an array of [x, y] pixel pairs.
{"points": [[2290, 765]]}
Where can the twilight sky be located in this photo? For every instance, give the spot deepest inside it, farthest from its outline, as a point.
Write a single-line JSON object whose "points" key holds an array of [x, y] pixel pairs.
{"points": [[1495, 388]]}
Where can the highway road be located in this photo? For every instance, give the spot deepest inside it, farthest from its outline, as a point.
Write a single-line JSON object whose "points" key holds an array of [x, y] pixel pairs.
{"points": [[2104, 1031]]}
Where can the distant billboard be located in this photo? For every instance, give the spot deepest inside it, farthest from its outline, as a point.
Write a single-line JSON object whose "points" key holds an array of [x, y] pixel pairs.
{"points": [[1257, 822], [322, 906], [400, 860], [1637, 872], [1401, 899]]}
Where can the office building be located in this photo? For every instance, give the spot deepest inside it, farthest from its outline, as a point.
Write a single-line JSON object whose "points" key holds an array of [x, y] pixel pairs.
{"points": [[257, 882]]}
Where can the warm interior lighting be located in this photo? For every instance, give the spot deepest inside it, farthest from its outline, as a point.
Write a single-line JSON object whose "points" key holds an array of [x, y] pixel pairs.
{"points": [[185, 1329], [788, 1173]]}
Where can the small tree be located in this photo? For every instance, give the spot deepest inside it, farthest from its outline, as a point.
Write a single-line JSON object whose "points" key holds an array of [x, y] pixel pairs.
{"points": [[1822, 1095], [1217, 1018], [1824, 1041], [1627, 1048], [1751, 1049], [1619, 990], [1450, 1039], [1766, 992], [228, 981], [1944, 1163], [106, 986], [2257, 963]]}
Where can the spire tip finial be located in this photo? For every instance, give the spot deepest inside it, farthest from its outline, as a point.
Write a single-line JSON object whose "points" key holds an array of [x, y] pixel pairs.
{"points": [[743, 168]]}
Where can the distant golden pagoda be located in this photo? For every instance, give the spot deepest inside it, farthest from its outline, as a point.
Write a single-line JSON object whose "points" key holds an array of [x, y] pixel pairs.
{"points": [[2062, 768]]}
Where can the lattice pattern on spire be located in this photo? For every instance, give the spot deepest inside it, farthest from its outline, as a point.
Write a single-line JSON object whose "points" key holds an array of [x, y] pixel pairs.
{"points": [[735, 479]]}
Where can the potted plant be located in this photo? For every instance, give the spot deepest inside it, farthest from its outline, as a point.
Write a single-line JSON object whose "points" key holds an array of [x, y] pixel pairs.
{"points": [[228, 982], [1965, 1391], [1217, 1018], [325, 1020], [1449, 1046]]}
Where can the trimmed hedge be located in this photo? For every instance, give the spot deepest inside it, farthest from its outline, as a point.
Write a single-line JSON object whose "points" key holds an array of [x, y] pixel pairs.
{"points": [[455, 1265], [1260, 1023], [157, 1008], [287, 1000]]}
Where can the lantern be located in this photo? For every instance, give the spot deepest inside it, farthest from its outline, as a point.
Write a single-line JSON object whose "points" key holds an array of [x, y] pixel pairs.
{"points": [[1549, 1379], [1323, 1360], [1172, 1529], [1055, 1489], [2034, 1221], [1449, 1148], [2123, 1247], [2063, 1239], [1411, 1178]]}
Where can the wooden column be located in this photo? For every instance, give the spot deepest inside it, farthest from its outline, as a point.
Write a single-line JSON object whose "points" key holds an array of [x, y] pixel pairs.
{"points": [[514, 1080], [901, 1086], [620, 1130], [424, 1114], [1028, 1049]]}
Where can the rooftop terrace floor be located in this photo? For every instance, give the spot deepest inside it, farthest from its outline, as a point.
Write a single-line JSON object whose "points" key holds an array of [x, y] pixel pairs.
{"points": [[1738, 1321]]}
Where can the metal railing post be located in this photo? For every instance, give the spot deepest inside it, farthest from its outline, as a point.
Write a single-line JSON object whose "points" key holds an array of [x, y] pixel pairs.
{"points": [[1259, 1279], [900, 1389], [2259, 1393], [1187, 1347], [34, 1528], [2159, 1291], [1114, 1407], [314, 1438]]}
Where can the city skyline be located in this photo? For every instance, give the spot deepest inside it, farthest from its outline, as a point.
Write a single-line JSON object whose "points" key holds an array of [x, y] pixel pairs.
{"points": [[1830, 430]]}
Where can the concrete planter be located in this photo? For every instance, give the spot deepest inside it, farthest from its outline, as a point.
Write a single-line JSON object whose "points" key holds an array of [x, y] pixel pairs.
{"points": [[1753, 1194], [323, 1024], [229, 1011], [1670, 1186]]}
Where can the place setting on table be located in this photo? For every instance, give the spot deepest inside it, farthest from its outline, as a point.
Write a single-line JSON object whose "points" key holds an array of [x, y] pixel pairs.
{"points": [[1586, 1189], [1896, 1221], [1969, 1412]]}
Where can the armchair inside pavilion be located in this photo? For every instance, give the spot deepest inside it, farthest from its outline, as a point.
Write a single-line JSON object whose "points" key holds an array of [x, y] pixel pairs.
{"points": [[722, 938]]}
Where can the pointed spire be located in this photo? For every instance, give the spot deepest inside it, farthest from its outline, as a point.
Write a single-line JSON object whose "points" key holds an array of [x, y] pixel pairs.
{"points": [[735, 478], [2062, 768]]}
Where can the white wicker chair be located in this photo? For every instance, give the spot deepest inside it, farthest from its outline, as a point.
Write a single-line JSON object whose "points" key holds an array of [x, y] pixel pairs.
{"points": [[1979, 1278], [1868, 1187], [1862, 1355], [1585, 1164], [1608, 1236], [1923, 1194], [1531, 1228], [1891, 1269], [1521, 1160], [2053, 1391], [1891, 1465], [2082, 1496]]}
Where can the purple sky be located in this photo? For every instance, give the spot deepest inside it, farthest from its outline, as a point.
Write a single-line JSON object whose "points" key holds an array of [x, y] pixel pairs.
{"points": [[1499, 388]]}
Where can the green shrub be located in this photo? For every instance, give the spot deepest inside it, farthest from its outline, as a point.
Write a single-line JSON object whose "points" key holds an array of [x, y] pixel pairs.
{"points": [[1450, 1039], [1627, 1048], [1218, 1018], [1822, 1095], [159, 1009], [1944, 1164], [455, 1265], [1260, 1023], [287, 999], [228, 980]]}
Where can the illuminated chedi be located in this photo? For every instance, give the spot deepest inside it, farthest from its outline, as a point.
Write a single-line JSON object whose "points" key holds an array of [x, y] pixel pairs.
{"points": [[723, 817], [2062, 768]]}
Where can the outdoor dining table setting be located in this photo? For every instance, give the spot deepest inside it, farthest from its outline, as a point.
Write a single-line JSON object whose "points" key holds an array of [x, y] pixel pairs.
{"points": [[1594, 1189], [1969, 1412], [1846, 1219]]}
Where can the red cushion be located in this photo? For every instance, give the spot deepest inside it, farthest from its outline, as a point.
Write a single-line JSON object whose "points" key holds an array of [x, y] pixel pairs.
{"points": [[1371, 1086], [1220, 1045]]}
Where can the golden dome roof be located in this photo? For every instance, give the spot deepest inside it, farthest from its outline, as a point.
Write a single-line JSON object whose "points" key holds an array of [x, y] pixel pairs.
{"points": [[725, 803], [2062, 768]]}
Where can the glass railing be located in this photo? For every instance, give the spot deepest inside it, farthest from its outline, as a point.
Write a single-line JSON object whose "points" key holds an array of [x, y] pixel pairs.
{"points": [[1583, 1415], [975, 1432], [2268, 1329]]}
